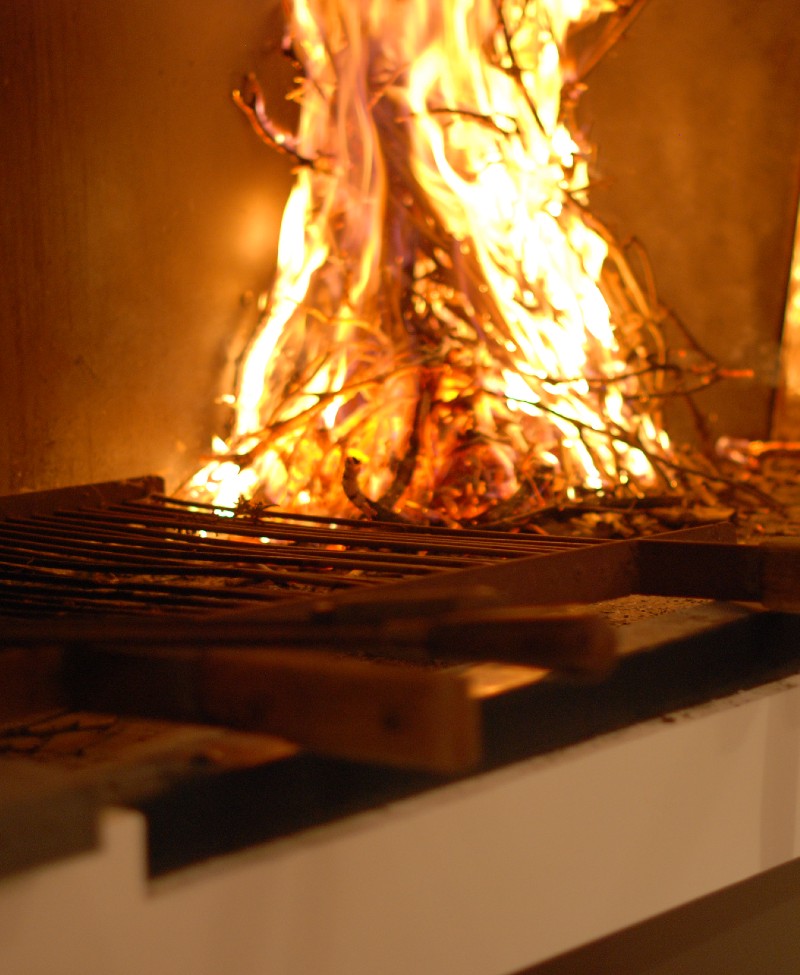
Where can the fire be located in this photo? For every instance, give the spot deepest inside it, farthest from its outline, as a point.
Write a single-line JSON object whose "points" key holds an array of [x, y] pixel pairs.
{"points": [[450, 332]]}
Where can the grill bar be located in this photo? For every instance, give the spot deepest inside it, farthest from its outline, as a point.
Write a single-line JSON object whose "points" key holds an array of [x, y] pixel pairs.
{"points": [[394, 530], [89, 531], [364, 538], [176, 555]]}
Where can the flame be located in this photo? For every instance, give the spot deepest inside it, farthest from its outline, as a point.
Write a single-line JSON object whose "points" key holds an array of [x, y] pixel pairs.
{"points": [[445, 309]]}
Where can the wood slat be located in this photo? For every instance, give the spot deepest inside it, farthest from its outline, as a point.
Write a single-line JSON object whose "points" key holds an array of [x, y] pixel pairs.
{"points": [[394, 714]]}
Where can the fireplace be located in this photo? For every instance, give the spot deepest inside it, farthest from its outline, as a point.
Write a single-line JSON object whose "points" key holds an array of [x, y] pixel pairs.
{"points": [[142, 218]]}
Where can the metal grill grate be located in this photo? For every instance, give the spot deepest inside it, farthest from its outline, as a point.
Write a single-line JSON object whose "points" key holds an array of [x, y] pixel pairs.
{"points": [[151, 554]]}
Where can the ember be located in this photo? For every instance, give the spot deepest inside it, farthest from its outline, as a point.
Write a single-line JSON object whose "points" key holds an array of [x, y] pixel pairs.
{"points": [[451, 335]]}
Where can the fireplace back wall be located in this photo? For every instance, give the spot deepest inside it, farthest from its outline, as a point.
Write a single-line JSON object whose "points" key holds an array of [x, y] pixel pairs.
{"points": [[139, 215], [138, 220]]}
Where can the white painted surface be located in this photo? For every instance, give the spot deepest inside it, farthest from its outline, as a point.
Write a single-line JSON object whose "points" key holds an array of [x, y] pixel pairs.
{"points": [[481, 877]]}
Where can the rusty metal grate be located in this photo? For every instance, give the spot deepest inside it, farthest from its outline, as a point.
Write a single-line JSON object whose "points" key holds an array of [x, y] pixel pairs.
{"points": [[136, 551]]}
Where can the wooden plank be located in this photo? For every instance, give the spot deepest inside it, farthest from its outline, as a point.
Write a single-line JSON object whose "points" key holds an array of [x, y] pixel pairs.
{"points": [[290, 680], [571, 639], [395, 714]]}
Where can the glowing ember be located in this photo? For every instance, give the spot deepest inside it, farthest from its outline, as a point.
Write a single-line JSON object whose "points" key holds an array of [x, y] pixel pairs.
{"points": [[450, 332]]}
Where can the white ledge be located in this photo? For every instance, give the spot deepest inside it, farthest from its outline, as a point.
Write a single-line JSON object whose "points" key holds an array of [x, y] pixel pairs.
{"points": [[481, 877]]}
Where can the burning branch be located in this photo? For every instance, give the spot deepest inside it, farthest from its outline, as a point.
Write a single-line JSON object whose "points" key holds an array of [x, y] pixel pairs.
{"points": [[615, 28], [512, 64], [250, 99], [374, 510]]}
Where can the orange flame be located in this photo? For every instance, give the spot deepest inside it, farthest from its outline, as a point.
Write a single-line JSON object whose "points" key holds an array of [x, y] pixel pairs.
{"points": [[445, 310]]}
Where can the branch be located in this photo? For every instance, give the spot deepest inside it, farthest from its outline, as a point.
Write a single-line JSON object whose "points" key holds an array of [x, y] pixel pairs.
{"points": [[374, 510], [250, 99], [615, 27]]}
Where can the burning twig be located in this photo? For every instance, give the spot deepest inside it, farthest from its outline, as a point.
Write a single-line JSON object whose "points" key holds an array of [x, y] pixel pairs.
{"points": [[407, 465], [504, 512], [508, 127], [250, 99], [627, 12], [252, 509], [374, 510], [702, 380], [513, 67]]}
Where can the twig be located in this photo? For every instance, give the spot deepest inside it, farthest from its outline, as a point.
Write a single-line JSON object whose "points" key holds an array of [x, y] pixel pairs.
{"points": [[405, 470], [616, 433], [627, 12], [515, 71], [503, 512], [252, 509], [374, 510], [250, 99], [488, 120]]}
